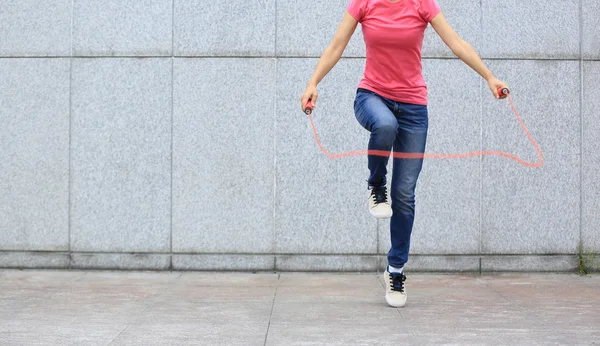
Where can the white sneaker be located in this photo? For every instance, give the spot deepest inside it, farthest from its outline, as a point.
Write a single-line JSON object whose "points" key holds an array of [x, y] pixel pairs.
{"points": [[379, 205], [395, 295]]}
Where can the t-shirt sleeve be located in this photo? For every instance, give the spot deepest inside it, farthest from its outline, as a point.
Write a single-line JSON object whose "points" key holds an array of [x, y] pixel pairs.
{"points": [[429, 9], [356, 8]]}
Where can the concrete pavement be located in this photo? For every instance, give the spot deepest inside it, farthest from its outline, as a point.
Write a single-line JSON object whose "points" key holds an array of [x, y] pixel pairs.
{"points": [[191, 308]]}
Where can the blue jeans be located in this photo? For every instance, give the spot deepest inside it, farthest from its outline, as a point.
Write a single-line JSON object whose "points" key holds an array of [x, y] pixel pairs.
{"points": [[403, 127]]}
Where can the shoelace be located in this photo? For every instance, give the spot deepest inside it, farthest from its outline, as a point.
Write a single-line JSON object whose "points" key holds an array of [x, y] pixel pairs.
{"points": [[379, 193], [397, 281]]}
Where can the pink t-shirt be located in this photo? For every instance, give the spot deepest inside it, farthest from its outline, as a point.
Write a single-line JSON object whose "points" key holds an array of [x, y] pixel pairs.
{"points": [[393, 33]]}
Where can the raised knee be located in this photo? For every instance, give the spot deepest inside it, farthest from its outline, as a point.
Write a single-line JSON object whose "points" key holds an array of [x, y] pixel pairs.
{"points": [[386, 129]]}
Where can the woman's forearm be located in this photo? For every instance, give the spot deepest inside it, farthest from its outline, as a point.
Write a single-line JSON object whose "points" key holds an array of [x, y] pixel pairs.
{"points": [[470, 57], [330, 57]]}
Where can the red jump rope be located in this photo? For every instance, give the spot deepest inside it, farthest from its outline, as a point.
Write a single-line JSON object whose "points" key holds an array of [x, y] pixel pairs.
{"points": [[503, 92]]}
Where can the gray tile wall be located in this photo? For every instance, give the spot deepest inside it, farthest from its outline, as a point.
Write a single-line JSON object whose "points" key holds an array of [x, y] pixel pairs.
{"points": [[305, 28], [34, 154], [224, 28], [527, 210], [35, 28], [590, 26], [167, 134], [590, 216], [116, 28], [465, 18], [121, 155], [223, 127], [534, 29]]}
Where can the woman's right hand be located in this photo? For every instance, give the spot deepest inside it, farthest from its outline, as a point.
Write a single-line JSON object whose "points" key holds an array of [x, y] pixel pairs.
{"points": [[309, 94]]}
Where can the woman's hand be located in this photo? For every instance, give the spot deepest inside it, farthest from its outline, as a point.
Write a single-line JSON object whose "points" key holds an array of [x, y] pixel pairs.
{"points": [[494, 83], [309, 94]]}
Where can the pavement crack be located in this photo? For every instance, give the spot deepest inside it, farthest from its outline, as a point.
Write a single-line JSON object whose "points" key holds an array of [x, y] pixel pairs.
{"points": [[272, 308], [152, 303], [116, 337], [407, 327]]}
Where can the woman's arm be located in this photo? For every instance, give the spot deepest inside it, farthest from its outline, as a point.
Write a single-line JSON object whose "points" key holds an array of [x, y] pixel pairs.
{"points": [[465, 52], [330, 57]]}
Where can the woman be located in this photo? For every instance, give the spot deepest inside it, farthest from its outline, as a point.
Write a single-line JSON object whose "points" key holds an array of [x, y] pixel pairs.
{"points": [[391, 103]]}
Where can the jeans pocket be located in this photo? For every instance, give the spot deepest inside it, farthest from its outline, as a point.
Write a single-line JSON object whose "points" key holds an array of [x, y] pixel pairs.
{"points": [[416, 115]]}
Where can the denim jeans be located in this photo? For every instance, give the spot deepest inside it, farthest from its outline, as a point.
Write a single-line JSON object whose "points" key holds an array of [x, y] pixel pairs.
{"points": [[403, 127]]}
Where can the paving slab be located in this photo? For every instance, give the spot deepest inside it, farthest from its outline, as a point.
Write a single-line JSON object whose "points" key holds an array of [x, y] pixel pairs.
{"points": [[50, 307]]}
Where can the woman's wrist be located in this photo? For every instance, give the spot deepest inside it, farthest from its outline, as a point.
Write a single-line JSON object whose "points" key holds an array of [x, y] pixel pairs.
{"points": [[488, 75]]}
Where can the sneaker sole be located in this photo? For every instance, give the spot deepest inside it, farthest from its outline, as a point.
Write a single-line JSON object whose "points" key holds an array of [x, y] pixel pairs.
{"points": [[394, 305], [379, 216]]}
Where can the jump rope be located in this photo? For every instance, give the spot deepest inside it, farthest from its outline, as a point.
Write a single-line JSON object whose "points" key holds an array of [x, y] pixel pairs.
{"points": [[503, 92]]}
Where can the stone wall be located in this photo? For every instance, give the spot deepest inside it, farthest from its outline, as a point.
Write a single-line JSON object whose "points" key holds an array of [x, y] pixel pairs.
{"points": [[167, 134]]}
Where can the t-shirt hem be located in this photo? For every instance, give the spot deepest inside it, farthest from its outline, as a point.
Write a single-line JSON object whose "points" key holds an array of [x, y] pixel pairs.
{"points": [[398, 98]]}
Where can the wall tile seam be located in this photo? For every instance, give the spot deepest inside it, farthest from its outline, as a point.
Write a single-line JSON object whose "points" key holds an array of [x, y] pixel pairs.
{"points": [[581, 133], [275, 110], [172, 116], [69, 163], [480, 142], [270, 57], [70, 170], [481, 158], [454, 255], [171, 158], [74, 264], [172, 28], [374, 269]]}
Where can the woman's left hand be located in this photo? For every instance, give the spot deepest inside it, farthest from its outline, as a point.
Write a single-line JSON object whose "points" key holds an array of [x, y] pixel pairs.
{"points": [[494, 84]]}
